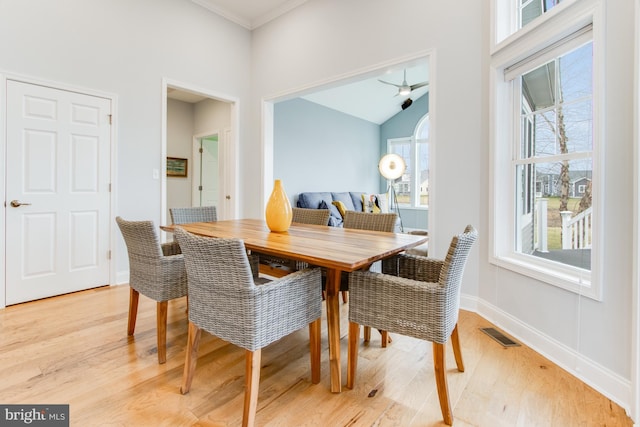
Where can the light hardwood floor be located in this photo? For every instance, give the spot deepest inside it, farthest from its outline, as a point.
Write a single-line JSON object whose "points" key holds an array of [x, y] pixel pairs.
{"points": [[74, 349]]}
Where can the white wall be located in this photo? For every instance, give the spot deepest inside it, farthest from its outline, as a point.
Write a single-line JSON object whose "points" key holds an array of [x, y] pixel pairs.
{"points": [[323, 40], [211, 115], [126, 47], [180, 125]]}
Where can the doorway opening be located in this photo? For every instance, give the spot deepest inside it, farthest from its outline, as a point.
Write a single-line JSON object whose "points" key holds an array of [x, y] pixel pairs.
{"points": [[194, 119], [208, 171]]}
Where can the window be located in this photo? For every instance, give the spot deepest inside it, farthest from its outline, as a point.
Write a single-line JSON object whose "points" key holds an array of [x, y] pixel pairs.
{"points": [[546, 204], [531, 9], [412, 189]]}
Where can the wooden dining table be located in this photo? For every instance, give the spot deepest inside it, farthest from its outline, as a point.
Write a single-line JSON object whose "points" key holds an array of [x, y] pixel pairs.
{"points": [[333, 248]]}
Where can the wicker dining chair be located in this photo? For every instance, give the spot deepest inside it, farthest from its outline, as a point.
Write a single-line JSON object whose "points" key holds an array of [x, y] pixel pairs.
{"points": [[208, 214], [156, 271], [365, 221], [279, 267], [311, 216], [225, 301], [422, 302], [193, 214]]}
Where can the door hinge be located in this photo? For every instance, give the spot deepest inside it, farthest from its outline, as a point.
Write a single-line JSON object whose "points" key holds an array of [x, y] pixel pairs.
{"points": [[110, 119], [201, 150], [109, 187], [199, 187], [109, 254]]}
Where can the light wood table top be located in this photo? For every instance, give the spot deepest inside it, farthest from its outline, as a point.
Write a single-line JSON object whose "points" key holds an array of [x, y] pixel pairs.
{"points": [[336, 249]]}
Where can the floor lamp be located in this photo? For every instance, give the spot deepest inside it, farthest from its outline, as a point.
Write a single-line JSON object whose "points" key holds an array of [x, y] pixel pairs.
{"points": [[391, 167]]}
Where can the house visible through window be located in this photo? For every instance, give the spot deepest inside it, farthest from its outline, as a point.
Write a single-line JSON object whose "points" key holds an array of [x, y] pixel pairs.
{"points": [[556, 153], [412, 189], [546, 163]]}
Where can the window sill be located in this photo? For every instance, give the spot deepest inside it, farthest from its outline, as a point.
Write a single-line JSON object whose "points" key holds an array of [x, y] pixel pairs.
{"points": [[569, 278]]}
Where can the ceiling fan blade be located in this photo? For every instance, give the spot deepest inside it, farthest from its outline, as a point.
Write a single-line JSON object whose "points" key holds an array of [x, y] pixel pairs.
{"points": [[418, 85], [388, 83]]}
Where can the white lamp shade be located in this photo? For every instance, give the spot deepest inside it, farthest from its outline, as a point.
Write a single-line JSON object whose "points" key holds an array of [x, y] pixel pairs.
{"points": [[391, 166]]}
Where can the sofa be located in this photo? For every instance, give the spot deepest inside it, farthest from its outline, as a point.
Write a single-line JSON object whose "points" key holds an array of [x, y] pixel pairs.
{"points": [[348, 200]]}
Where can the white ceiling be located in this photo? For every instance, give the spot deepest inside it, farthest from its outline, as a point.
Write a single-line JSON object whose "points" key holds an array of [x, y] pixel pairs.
{"points": [[361, 96], [368, 98], [250, 13]]}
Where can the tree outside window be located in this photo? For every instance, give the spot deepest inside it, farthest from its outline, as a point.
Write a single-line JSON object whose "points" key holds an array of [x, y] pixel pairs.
{"points": [[554, 166]]}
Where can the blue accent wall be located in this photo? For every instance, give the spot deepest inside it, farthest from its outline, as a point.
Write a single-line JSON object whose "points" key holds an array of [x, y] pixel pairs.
{"points": [[320, 149], [404, 123]]}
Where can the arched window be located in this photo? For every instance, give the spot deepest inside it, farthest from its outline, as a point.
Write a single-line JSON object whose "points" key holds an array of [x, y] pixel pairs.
{"points": [[412, 188]]}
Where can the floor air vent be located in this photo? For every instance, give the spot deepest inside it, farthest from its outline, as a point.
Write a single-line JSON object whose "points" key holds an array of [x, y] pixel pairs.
{"points": [[501, 338]]}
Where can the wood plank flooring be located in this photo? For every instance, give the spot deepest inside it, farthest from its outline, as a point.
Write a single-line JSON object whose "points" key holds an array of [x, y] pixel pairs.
{"points": [[74, 350]]}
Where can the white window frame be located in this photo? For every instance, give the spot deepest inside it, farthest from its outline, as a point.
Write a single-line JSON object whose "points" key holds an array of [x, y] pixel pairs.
{"points": [[565, 19], [505, 21], [414, 185]]}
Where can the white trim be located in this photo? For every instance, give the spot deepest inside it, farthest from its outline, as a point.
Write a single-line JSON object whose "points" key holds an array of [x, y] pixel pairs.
{"points": [[635, 292], [605, 381], [250, 24], [113, 99], [564, 19], [268, 102], [3, 162], [351, 76], [196, 165], [433, 149], [503, 109], [504, 23], [569, 42], [234, 105]]}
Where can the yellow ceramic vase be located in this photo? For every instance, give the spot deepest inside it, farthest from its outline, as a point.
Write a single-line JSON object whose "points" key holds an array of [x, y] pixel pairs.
{"points": [[278, 213]]}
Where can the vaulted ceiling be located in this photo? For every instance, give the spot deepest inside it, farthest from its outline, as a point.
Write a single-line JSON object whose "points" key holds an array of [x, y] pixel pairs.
{"points": [[361, 96]]}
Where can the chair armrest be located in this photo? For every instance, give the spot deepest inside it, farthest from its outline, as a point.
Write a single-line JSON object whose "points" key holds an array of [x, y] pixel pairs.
{"points": [[401, 305], [287, 304]]}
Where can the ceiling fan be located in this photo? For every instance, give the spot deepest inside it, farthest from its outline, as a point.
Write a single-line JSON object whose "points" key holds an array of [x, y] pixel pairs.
{"points": [[405, 89]]}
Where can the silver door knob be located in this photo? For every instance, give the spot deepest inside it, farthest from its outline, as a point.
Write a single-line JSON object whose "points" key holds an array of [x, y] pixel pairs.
{"points": [[16, 203]]}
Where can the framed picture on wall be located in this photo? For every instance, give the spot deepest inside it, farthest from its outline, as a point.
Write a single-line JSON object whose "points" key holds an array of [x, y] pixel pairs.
{"points": [[176, 167]]}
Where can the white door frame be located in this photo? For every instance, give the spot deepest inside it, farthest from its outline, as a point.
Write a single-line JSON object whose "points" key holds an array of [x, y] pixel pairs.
{"points": [[196, 166], [3, 146], [232, 165], [635, 301]]}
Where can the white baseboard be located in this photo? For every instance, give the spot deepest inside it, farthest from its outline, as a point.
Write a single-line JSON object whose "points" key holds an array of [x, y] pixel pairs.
{"points": [[586, 370], [122, 277]]}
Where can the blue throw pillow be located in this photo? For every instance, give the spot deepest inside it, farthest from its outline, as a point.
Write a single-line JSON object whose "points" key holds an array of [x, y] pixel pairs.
{"points": [[345, 198], [356, 198], [335, 219]]}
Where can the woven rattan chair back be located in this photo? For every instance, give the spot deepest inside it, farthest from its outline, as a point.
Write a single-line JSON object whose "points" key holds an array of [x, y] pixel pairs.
{"points": [[370, 221], [193, 214], [155, 270], [451, 276], [365, 221], [311, 216]]}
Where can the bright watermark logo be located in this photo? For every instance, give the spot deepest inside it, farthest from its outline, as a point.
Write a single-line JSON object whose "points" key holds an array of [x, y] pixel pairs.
{"points": [[34, 415]]}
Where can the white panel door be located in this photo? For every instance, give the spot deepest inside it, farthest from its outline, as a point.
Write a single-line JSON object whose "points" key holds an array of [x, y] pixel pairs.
{"points": [[58, 178], [210, 176]]}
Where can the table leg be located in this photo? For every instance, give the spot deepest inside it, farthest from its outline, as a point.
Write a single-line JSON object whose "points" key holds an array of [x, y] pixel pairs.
{"points": [[333, 328]]}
